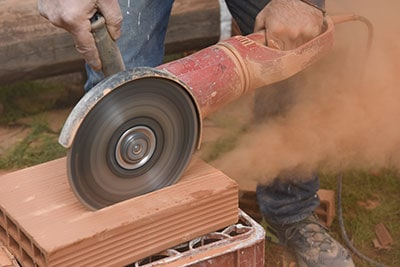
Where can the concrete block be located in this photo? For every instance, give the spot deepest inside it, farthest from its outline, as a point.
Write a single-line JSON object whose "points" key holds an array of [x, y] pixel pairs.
{"points": [[43, 224]]}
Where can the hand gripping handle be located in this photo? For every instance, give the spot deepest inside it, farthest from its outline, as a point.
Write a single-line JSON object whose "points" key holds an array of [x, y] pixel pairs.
{"points": [[110, 55]]}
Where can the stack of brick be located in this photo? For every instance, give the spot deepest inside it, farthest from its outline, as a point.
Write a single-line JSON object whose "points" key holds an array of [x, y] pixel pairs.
{"points": [[43, 224]]}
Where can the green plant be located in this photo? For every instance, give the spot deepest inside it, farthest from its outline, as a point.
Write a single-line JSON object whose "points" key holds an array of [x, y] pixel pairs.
{"points": [[369, 197], [28, 98], [39, 146]]}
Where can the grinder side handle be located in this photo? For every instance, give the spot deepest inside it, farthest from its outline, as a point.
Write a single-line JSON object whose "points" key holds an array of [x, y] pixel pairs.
{"points": [[260, 38], [110, 55]]}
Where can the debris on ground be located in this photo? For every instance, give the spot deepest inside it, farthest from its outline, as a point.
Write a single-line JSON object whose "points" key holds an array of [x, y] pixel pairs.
{"points": [[384, 239]]}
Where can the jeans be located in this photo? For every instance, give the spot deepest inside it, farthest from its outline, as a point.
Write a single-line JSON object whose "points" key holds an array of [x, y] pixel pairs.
{"points": [[142, 35], [141, 44], [288, 202]]}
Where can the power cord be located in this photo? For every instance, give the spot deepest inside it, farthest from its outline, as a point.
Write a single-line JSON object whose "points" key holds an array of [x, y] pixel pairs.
{"points": [[343, 230], [337, 19]]}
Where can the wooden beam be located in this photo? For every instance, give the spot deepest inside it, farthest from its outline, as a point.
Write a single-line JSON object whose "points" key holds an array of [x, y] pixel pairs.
{"points": [[32, 48]]}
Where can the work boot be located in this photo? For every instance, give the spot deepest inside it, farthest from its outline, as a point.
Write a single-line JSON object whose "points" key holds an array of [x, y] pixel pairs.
{"points": [[311, 243]]}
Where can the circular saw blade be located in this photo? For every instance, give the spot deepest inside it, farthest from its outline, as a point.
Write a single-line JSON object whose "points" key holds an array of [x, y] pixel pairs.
{"points": [[137, 139]]}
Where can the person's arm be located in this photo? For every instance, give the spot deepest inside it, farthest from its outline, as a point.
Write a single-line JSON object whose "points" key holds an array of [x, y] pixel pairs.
{"points": [[290, 23], [74, 16]]}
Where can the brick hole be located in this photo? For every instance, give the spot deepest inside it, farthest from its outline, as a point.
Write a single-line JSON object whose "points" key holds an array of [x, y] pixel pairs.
{"points": [[26, 260], [156, 257], [324, 205], [12, 228], [2, 219], [237, 229], [321, 211], [243, 222], [207, 239], [13, 246], [25, 242], [151, 259], [182, 247], [3, 234], [39, 256]]}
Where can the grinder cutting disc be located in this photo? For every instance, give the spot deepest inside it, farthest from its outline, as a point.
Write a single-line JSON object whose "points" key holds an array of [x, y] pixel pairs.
{"points": [[137, 139]]}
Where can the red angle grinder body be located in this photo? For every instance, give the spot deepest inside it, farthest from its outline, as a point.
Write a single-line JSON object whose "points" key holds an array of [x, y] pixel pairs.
{"points": [[135, 132]]}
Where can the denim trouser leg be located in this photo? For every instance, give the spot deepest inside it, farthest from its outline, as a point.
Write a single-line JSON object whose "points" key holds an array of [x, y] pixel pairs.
{"points": [[143, 33], [280, 202], [288, 202]]}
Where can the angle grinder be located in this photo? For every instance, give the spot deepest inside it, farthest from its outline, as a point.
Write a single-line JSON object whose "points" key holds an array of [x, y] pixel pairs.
{"points": [[135, 131]]}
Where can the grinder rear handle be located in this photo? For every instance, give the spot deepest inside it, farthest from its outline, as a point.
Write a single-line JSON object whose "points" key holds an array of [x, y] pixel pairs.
{"points": [[109, 53]]}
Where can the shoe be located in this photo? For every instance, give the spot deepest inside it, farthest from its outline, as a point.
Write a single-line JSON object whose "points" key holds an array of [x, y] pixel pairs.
{"points": [[311, 243]]}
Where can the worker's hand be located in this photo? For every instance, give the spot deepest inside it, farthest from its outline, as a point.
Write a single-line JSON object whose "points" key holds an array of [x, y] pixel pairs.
{"points": [[74, 16], [289, 23]]}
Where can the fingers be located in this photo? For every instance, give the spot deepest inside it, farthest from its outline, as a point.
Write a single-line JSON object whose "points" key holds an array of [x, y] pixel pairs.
{"points": [[86, 46], [287, 38], [113, 17], [289, 23], [74, 16]]}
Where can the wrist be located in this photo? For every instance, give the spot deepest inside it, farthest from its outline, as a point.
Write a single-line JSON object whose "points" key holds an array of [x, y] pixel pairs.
{"points": [[318, 4]]}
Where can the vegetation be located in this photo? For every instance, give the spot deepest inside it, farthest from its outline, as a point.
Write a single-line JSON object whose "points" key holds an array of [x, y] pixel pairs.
{"points": [[26, 106], [40, 145], [369, 197]]}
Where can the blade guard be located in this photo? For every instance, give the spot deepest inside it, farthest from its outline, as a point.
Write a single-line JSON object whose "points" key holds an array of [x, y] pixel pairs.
{"points": [[102, 89]]}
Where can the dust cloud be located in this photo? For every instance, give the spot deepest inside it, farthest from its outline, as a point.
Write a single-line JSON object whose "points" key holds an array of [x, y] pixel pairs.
{"points": [[344, 110]]}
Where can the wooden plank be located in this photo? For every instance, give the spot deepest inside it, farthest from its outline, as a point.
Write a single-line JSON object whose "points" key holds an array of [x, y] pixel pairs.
{"points": [[43, 224], [194, 24], [32, 48]]}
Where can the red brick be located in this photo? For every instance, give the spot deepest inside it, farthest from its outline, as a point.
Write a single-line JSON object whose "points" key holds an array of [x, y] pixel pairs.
{"points": [[42, 223]]}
